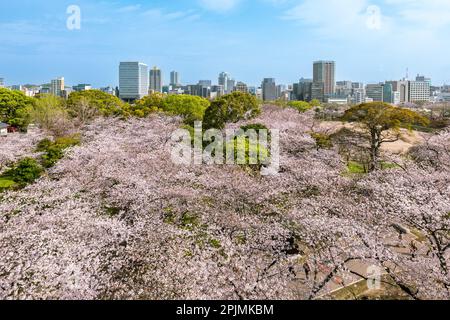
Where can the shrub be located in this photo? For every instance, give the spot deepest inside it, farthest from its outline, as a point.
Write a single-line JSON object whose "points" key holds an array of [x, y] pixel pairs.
{"points": [[54, 151], [242, 143], [24, 172], [323, 141]]}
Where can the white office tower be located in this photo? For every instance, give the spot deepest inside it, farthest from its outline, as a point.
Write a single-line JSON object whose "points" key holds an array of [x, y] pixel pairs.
{"points": [[133, 80]]}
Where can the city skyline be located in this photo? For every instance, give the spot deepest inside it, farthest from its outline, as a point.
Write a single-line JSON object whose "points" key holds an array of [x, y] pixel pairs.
{"points": [[377, 40]]}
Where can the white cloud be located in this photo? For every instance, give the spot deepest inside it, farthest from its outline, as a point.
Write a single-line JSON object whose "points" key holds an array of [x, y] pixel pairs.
{"points": [[427, 14], [338, 17], [219, 5]]}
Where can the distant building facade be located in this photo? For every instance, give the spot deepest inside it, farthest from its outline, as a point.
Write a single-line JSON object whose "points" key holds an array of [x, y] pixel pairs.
{"points": [[269, 89], [156, 80], [175, 79], [419, 91], [375, 92], [133, 80], [325, 72], [57, 87], [82, 87], [241, 87]]}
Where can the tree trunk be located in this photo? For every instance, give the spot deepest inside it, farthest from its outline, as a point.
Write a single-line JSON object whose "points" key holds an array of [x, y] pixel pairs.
{"points": [[374, 150]]}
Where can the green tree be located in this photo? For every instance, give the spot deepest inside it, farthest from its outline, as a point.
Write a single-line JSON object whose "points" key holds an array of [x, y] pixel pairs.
{"points": [[382, 123], [231, 108], [103, 103], [191, 108], [301, 106], [50, 114], [147, 105], [15, 108], [315, 103]]}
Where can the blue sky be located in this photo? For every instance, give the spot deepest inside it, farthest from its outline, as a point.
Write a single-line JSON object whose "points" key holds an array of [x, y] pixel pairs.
{"points": [[371, 40]]}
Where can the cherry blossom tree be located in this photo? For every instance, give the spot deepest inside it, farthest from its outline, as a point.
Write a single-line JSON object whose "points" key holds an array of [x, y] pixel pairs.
{"points": [[117, 219]]}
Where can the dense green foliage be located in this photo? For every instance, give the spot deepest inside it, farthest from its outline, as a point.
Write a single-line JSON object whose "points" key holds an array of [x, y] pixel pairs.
{"points": [[315, 103], [15, 108], [191, 108], [231, 108], [301, 106], [323, 141], [54, 150], [25, 171], [103, 103]]}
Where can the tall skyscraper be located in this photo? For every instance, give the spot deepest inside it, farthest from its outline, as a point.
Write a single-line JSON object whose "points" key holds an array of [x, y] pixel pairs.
{"points": [[156, 81], [2, 82], [57, 87], [174, 79], [223, 80], [269, 89], [325, 72], [133, 80]]}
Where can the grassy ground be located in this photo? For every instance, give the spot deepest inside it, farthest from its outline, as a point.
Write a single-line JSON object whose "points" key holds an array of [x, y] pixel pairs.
{"points": [[354, 167], [6, 184]]}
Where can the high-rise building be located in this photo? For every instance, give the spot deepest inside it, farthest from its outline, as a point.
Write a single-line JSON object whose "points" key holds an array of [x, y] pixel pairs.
{"points": [[133, 80], [269, 89], [57, 87], [388, 93], [317, 91], [375, 92], [344, 88], [156, 81], [217, 90], [205, 83], [174, 79], [358, 96], [357, 85], [223, 80], [2, 82], [402, 87], [420, 78], [419, 91], [231, 83], [325, 72], [280, 89], [304, 89], [241, 87]]}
